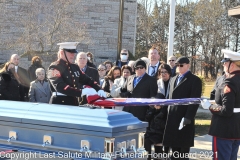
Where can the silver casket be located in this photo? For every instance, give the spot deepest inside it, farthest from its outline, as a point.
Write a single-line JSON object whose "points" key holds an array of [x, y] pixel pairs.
{"points": [[57, 131]]}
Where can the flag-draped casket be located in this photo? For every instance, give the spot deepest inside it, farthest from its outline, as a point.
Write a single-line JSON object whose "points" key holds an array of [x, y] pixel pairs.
{"points": [[64, 131]]}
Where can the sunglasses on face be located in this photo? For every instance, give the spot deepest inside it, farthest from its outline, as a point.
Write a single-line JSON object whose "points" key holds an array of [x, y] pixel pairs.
{"points": [[123, 53], [179, 65], [171, 60], [164, 72], [136, 68], [101, 69]]}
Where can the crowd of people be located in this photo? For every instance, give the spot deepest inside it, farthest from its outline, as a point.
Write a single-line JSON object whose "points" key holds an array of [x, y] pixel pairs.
{"points": [[67, 81]]}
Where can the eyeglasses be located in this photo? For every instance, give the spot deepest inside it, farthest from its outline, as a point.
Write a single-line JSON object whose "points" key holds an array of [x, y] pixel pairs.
{"points": [[164, 72], [136, 68], [101, 69], [180, 65], [123, 53], [171, 60]]}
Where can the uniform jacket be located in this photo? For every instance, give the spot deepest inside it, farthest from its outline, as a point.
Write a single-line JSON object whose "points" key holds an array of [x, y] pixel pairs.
{"points": [[39, 92], [10, 88], [93, 73], [225, 123], [68, 79], [189, 87], [146, 88]]}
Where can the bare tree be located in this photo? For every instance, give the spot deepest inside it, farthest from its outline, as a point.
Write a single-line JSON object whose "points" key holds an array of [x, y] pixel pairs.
{"points": [[40, 24]]}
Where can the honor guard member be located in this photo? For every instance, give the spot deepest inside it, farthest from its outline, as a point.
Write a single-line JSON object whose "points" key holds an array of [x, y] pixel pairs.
{"points": [[225, 124], [66, 78]]}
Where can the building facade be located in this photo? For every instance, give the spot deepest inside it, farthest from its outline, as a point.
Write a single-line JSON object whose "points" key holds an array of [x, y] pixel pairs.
{"points": [[99, 18]]}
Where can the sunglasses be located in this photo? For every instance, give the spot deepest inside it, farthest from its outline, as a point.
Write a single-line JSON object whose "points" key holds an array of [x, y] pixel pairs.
{"points": [[101, 69], [164, 72], [136, 68], [123, 53], [179, 65], [171, 60]]}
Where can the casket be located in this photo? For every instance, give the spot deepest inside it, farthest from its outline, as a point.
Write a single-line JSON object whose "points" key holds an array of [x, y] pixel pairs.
{"points": [[70, 132]]}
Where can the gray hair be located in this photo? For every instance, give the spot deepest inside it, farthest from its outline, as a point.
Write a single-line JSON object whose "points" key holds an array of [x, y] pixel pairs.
{"points": [[39, 70], [79, 54]]}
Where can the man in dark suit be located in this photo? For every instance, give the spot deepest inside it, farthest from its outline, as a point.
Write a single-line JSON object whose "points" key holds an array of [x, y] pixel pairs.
{"points": [[183, 85], [154, 57], [81, 61], [91, 72], [22, 76], [140, 85]]}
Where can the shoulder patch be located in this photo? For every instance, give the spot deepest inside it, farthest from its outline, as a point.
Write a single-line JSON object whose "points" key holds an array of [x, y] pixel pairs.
{"points": [[226, 89], [55, 73]]}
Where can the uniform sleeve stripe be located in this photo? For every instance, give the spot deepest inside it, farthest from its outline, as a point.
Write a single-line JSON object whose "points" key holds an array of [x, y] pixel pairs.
{"points": [[66, 87]]}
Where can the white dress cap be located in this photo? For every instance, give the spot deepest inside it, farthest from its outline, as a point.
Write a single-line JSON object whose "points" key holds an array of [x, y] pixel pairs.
{"points": [[68, 45], [230, 55]]}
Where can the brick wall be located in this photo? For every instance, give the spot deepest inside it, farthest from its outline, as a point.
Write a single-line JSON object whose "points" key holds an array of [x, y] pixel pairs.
{"points": [[101, 20]]}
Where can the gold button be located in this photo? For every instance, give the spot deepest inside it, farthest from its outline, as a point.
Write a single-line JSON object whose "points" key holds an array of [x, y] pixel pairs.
{"points": [[74, 80], [74, 85], [66, 63], [62, 101], [70, 71]]}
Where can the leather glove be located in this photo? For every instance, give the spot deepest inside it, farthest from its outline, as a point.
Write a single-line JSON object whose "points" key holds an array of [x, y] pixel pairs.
{"points": [[205, 104], [88, 91], [123, 89], [125, 94], [101, 93], [186, 121]]}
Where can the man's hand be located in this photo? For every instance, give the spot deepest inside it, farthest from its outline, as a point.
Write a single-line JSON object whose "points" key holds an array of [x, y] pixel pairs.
{"points": [[88, 91], [205, 104], [101, 93], [157, 107]]}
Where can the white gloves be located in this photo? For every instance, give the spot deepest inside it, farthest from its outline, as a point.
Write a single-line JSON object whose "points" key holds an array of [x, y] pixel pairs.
{"points": [[101, 93], [205, 104], [88, 91], [181, 124]]}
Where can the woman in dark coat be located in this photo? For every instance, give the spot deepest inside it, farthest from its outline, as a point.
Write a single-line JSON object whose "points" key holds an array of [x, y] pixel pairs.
{"points": [[157, 115], [36, 63], [9, 85]]}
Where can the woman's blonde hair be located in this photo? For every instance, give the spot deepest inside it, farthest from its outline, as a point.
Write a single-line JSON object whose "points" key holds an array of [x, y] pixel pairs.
{"points": [[237, 63], [5, 67]]}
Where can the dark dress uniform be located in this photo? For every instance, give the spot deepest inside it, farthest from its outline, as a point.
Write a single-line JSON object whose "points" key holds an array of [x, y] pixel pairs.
{"points": [[225, 124], [67, 79]]}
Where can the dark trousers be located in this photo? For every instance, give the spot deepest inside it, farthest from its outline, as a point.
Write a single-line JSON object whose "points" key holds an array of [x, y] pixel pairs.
{"points": [[180, 153], [158, 149], [225, 149]]}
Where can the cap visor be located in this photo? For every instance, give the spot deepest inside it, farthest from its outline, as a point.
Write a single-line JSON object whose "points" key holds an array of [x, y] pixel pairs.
{"points": [[225, 60], [71, 50]]}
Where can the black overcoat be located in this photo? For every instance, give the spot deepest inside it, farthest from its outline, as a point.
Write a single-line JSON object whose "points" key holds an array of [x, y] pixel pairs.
{"points": [[146, 88], [189, 87]]}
